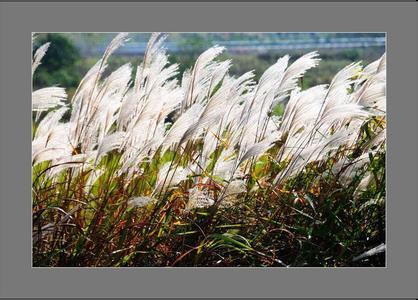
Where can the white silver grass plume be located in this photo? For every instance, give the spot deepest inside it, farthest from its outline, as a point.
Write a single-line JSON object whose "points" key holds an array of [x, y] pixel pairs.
{"points": [[46, 98], [347, 169], [213, 111], [140, 201], [258, 148], [110, 142], [170, 175], [371, 91], [117, 41], [67, 162], [199, 84], [49, 122], [39, 54], [52, 144], [297, 69], [302, 109], [225, 165], [198, 198], [184, 122]]}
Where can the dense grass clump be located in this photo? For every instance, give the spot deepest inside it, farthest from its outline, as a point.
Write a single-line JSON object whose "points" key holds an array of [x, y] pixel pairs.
{"points": [[210, 170]]}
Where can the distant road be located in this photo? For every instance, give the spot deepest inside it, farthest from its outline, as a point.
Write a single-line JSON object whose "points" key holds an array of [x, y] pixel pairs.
{"points": [[245, 46]]}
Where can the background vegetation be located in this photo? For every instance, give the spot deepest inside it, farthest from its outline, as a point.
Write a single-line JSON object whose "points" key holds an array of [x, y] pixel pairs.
{"points": [[71, 55]]}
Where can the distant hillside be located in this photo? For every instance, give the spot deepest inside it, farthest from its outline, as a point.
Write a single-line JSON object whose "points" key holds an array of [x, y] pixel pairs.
{"points": [[94, 43]]}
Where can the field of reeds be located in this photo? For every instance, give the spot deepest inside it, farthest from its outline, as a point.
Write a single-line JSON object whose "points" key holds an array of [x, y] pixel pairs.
{"points": [[140, 169]]}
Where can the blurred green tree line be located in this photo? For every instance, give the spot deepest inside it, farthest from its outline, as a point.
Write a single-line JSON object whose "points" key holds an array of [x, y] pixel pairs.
{"points": [[63, 65]]}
